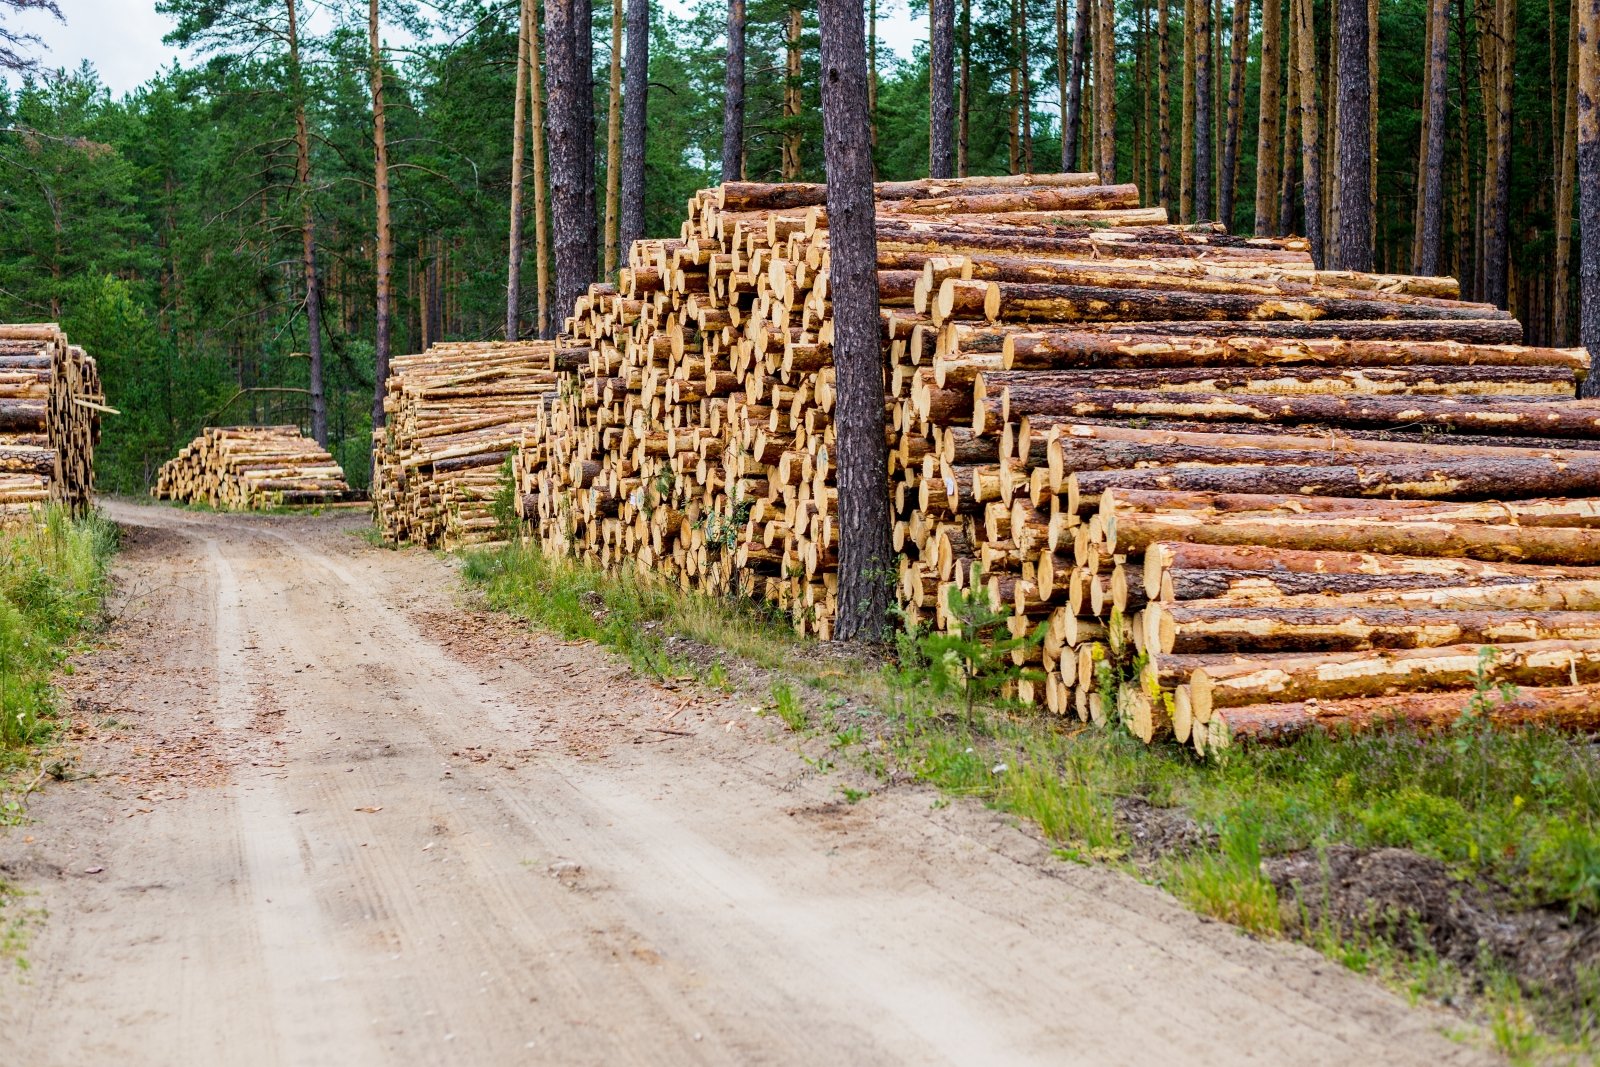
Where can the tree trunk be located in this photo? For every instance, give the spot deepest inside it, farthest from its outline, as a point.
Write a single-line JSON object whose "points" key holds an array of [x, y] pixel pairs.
{"points": [[1288, 176], [308, 233], [1430, 179], [1238, 52], [793, 103], [941, 89], [541, 219], [965, 107], [635, 114], [1186, 203], [384, 265], [1497, 199], [1566, 180], [1014, 95], [1311, 166], [1081, 157], [614, 143], [733, 97], [1065, 91], [1164, 103], [571, 177], [1267, 127], [872, 77], [866, 557], [583, 22], [1588, 138], [1025, 118], [518, 152], [1354, 248], [1105, 76], [1201, 34]]}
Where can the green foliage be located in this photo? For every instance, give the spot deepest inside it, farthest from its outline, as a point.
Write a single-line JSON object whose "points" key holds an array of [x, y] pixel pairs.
{"points": [[1228, 883], [974, 662], [786, 705], [504, 505], [52, 576]]}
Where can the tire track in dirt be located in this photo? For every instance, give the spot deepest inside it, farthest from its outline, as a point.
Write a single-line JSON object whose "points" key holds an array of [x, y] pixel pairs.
{"points": [[439, 840]]}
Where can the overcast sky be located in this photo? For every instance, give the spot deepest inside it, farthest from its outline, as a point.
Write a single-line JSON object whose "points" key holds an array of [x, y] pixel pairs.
{"points": [[122, 38]]}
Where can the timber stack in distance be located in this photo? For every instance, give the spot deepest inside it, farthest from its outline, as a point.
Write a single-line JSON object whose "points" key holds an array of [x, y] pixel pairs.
{"points": [[50, 406], [251, 468], [454, 414], [1238, 496]]}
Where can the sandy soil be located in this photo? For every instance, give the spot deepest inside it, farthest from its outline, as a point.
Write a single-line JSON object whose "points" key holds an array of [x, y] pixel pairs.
{"points": [[331, 814]]}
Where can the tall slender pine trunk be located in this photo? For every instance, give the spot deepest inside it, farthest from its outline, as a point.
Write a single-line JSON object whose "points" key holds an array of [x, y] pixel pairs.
{"points": [[1105, 79], [964, 118], [635, 116], [1588, 152], [733, 97], [1268, 127], [1354, 160], [571, 154], [1566, 182], [1164, 103], [1082, 158], [1201, 32], [1238, 52], [614, 143], [308, 232], [519, 133], [541, 218], [941, 89], [384, 265], [866, 556], [1310, 142], [1430, 180], [792, 99]]}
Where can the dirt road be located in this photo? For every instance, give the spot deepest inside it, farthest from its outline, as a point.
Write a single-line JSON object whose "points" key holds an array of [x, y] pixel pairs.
{"points": [[336, 818]]}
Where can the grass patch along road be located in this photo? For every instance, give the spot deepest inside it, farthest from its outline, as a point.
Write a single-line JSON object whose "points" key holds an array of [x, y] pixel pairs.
{"points": [[1462, 867]]}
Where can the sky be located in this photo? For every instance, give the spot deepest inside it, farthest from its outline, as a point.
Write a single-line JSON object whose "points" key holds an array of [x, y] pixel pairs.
{"points": [[122, 38]]}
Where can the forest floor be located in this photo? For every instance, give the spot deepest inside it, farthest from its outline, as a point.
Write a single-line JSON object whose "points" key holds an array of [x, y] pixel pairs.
{"points": [[322, 807]]}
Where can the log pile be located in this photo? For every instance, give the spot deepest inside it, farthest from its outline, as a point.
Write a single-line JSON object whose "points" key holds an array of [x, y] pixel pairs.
{"points": [[454, 414], [50, 406], [1239, 497], [251, 468]]}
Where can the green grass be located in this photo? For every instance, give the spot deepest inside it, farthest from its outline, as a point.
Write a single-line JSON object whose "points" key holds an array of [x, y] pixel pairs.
{"points": [[1517, 809], [52, 577], [623, 611]]}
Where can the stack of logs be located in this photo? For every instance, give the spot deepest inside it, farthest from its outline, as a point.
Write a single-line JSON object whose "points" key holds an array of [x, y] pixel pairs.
{"points": [[50, 406], [1237, 496], [249, 468], [454, 414]]}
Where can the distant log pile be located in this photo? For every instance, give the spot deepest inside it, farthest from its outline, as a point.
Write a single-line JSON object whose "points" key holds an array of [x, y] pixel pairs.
{"points": [[1245, 496], [454, 415], [50, 406], [250, 468]]}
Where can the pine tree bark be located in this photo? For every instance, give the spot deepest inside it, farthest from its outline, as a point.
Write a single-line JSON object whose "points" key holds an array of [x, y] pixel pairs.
{"points": [[308, 233], [1164, 103], [1081, 157], [571, 158], [733, 97], [1289, 173], [1025, 118], [1238, 52], [941, 89], [1566, 181], [1064, 93], [583, 21], [1354, 249], [1430, 182], [866, 557], [1588, 15], [792, 100], [1267, 127], [1201, 75], [541, 218], [519, 121], [383, 268], [1310, 150], [1186, 139], [635, 115], [963, 136], [614, 143], [1013, 97], [1496, 257], [1105, 76]]}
